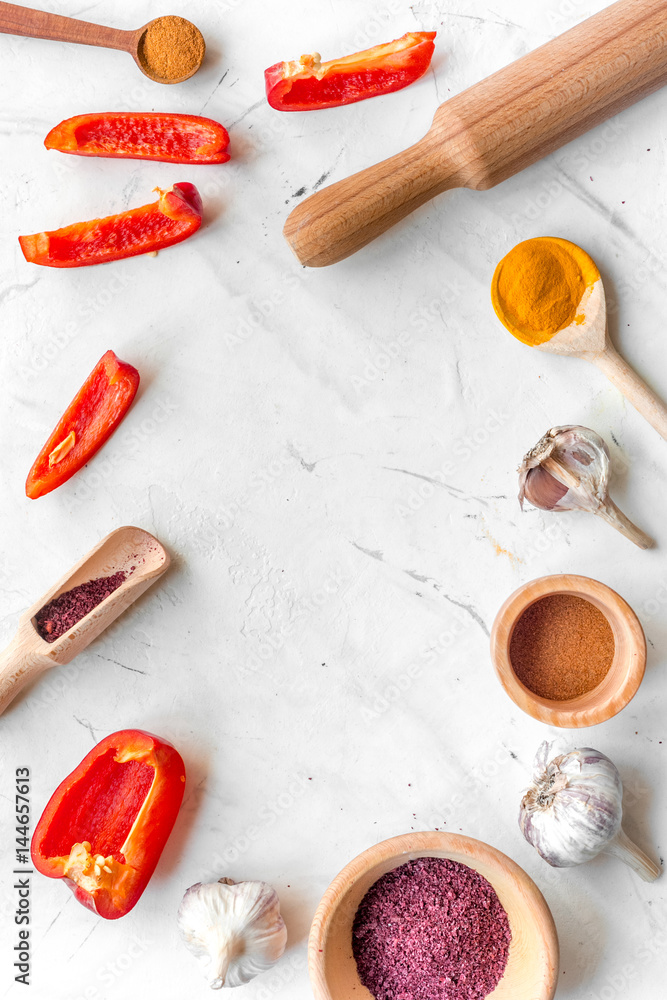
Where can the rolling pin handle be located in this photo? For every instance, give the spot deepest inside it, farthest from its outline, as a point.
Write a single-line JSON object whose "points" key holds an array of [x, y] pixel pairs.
{"points": [[342, 218]]}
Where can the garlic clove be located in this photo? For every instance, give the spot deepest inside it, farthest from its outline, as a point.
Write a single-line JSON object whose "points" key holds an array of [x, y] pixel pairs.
{"points": [[568, 469], [234, 929], [542, 490]]}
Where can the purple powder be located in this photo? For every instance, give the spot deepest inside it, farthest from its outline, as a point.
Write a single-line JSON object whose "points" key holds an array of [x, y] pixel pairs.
{"points": [[432, 929], [61, 614]]}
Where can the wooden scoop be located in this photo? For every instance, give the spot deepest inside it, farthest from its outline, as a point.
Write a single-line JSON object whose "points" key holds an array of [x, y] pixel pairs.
{"points": [[17, 20], [28, 655], [587, 337], [496, 128]]}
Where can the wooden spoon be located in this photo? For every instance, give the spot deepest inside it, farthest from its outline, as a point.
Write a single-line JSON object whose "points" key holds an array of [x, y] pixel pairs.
{"points": [[28, 655], [17, 20], [495, 128], [587, 337]]}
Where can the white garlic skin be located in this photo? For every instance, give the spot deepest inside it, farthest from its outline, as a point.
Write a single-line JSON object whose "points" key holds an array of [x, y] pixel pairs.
{"points": [[574, 807], [234, 929]]}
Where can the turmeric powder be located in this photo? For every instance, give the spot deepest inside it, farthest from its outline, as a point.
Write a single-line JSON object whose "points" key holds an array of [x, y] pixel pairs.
{"points": [[538, 287]]}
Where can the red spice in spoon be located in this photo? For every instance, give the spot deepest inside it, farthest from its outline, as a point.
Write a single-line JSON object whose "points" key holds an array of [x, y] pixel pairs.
{"points": [[432, 929], [61, 614]]}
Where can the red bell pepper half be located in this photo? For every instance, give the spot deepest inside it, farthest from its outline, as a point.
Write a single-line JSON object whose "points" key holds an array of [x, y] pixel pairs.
{"points": [[308, 84], [176, 215], [89, 420], [106, 824], [148, 135]]}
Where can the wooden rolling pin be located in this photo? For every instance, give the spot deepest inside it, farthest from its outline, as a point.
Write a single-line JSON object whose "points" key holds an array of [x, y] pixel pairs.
{"points": [[495, 129]]}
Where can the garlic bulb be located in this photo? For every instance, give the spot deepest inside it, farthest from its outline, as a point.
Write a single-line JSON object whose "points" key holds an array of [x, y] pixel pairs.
{"points": [[568, 469], [234, 929], [573, 812]]}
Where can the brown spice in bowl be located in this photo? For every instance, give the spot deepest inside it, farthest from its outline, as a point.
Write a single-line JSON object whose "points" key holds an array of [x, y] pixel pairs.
{"points": [[171, 48], [561, 647]]}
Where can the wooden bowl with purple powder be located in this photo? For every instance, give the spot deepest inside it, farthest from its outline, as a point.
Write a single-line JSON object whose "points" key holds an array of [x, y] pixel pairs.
{"points": [[433, 916], [568, 650]]}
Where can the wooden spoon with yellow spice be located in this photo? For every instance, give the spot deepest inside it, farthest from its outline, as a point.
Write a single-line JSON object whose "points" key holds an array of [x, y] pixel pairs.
{"points": [[548, 293]]}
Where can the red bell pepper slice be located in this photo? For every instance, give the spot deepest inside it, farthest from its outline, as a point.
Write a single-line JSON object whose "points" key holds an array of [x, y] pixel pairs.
{"points": [[150, 135], [176, 215], [104, 827], [89, 420], [307, 84]]}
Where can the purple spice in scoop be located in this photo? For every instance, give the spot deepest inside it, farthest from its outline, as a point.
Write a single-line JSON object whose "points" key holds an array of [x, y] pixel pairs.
{"points": [[61, 614], [432, 929]]}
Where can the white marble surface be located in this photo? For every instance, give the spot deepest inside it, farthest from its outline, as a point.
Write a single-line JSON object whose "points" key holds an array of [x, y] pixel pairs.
{"points": [[289, 447]]}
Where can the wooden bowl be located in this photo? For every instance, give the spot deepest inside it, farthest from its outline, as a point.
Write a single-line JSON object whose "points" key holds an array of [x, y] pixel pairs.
{"points": [[532, 966], [625, 674]]}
